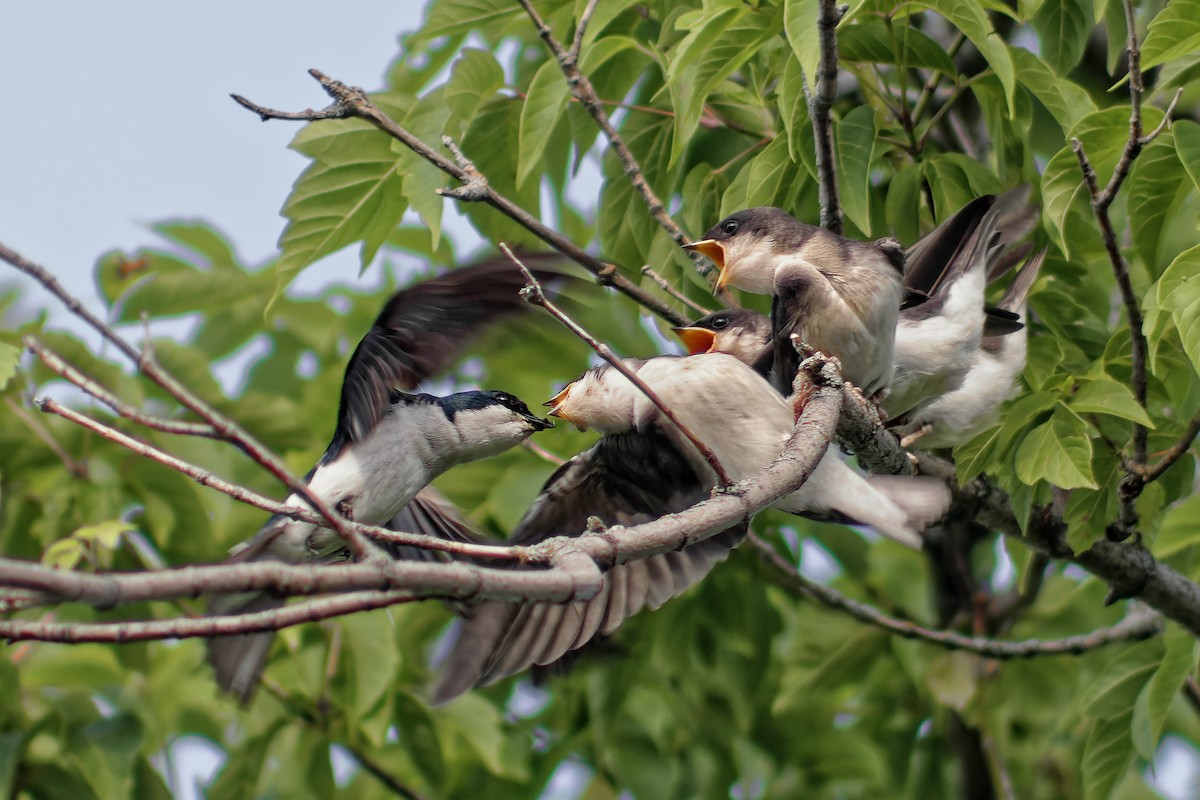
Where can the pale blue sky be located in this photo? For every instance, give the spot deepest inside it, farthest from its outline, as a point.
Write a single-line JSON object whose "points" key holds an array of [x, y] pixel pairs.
{"points": [[118, 115]]}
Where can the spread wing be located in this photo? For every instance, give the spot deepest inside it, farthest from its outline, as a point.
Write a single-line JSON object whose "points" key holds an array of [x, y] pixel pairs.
{"points": [[422, 330], [625, 479]]}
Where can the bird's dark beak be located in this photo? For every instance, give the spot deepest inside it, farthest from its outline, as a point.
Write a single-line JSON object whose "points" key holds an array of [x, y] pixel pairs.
{"points": [[539, 424], [713, 250], [696, 340]]}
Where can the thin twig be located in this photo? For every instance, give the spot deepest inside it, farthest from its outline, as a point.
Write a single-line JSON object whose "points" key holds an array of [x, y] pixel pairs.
{"points": [[1134, 627], [59, 366], [663, 284], [351, 101], [820, 104], [192, 627], [535, 295], [1172, 453], [585, 17], [583, 91], [1132, 483], [76, 468]]}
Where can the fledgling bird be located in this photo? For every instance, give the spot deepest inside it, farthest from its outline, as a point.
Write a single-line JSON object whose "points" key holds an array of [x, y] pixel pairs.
{"points": [[740, 332], [388, 443], [944, 314], [973, 407], [840, 296], [642, 468]]}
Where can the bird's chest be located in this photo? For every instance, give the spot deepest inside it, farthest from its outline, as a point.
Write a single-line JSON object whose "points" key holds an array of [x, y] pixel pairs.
{"points": [[375, 478]]}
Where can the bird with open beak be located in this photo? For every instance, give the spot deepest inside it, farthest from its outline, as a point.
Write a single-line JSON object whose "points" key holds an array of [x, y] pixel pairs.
{"points": [[642, 468], [837, 295], [389, 443]]}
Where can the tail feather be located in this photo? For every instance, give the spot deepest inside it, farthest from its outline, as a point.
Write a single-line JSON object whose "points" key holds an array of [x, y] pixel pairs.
{"points": [[924, 500], [238, 660], [1014, 298]]}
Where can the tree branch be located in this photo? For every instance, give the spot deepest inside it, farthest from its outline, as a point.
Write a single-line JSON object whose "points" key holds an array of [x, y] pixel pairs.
{"points": [[352, 101], [1135, 627], [59, 366], [820, 105], [663, 284], [1172, 453], [534, 293]]}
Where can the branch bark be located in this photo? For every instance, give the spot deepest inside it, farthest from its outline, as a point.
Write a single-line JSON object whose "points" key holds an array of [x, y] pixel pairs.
{"points": [[820, 105], [351, 101]]}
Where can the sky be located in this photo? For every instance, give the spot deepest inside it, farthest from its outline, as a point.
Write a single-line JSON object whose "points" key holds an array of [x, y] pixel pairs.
{"points": [[118, 116]]}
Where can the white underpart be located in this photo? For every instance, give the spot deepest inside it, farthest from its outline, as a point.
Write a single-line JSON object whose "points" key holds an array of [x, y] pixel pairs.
{"points": [[378, 475], [974, 407], [932, 356]]}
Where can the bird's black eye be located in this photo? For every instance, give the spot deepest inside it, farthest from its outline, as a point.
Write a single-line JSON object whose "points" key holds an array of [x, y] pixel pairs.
{"points": [[720, 322], [729, 227]]}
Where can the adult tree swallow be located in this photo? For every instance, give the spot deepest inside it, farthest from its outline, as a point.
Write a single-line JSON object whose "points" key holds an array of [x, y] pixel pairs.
{"points": [[838, 295], [387, 443], [643, 468]]}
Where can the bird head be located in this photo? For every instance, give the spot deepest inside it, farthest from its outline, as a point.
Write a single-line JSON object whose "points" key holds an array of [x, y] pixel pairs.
{"points": [[601, 398], [740, 332], [746, 244], [489, 422]]}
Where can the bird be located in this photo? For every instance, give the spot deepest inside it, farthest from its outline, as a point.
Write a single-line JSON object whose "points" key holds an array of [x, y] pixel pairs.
{"points": [[739, 332], [944, 315], [642, 468], [973, 407], [840, 296], [390, 442]]}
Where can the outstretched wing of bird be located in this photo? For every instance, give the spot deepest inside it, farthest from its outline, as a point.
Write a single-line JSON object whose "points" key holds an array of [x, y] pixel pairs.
{"points": [[624, 479], [422, 330]]}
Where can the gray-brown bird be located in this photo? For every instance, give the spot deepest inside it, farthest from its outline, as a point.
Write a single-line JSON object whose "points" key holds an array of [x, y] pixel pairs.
{"points": [[838, 295]]}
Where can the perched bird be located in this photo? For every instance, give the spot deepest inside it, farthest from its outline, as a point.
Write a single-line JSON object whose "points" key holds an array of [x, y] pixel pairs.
{"points": [[944, 315], [973, 407], [641, 468], [389, 444], [838, 295], [740, 332]]}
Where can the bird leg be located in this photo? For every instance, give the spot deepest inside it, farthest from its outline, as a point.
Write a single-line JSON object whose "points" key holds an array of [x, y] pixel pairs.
{"points": [[909, 438]]}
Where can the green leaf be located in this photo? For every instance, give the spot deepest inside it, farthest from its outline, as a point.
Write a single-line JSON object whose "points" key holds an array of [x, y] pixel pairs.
{"points": [[952, 679], [1107, 396], [855, 149], [475, 77], [717, 44], [1058, 451], [353, 191], [1150, 709], [544, 105], [10, 356], [973, 21], [1178, 292], [1187, 143], [1063, 29], [1155, 193], [370, 649], [11, 745], [800, 24], [1179, 528], [453, 17], [868, 41], [1173, 33], [763, 181], [1067, 102]]}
